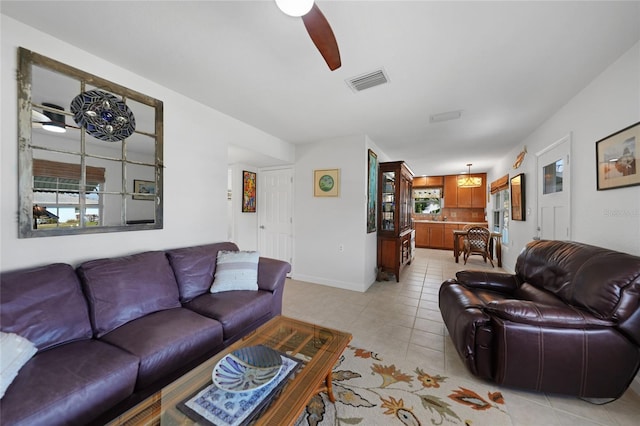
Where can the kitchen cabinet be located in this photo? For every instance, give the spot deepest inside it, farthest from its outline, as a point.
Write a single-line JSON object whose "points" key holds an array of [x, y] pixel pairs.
{"points": [[430, 235], [394, 217], [450, 191], [428, 181], [437, 235], [479, 195], [422, 234], [456, 197], [448, 234]]}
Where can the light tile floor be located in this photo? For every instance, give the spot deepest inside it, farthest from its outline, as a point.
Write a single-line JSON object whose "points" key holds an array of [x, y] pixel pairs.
{"points": [[402, 321]]}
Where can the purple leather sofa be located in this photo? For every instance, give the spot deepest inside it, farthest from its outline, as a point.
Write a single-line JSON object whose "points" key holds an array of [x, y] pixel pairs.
{"points": [[115, 330], [567, 322]]}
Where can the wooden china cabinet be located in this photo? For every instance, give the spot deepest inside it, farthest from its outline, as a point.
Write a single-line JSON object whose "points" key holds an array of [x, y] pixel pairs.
{"points": [[395, 231]]}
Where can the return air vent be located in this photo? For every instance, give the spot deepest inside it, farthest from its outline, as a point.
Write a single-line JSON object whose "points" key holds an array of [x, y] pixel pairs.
{"points": [[445, 116], [368, 80]]}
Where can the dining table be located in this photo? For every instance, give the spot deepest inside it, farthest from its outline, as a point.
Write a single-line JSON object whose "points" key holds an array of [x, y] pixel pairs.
{"points": [[459, 234]]}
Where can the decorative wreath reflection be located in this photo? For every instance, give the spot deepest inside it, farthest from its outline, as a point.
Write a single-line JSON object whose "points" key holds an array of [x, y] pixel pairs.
{"points": [[103, 115]]}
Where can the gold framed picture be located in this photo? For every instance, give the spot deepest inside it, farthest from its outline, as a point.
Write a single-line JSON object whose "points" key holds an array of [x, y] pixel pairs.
{"points": [[617, 157], [326, 183]]}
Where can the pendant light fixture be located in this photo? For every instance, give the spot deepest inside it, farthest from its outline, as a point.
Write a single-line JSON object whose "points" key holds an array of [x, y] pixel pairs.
{"points": [[469, 181]]}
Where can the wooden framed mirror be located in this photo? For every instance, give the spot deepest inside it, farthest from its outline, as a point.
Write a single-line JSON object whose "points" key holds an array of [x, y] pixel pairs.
{"points": [[85, 143], [517, 197]]}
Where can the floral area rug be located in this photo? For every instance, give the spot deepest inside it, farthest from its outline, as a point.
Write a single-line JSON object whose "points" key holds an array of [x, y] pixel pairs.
{"points": [[372, 390]]}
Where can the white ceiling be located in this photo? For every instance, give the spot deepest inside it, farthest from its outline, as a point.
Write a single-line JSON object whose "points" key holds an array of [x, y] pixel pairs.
{"points": [[507, 65]]}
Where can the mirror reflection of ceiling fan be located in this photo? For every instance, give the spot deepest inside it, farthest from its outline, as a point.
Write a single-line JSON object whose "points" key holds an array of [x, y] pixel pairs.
{"points": [[317, 26], [49, 118]]}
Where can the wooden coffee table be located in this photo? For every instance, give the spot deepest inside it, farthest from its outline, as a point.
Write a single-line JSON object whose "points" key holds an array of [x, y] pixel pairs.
{"points": [[319, 347]]}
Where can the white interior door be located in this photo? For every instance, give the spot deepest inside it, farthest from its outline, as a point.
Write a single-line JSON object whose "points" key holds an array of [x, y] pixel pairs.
{"points": [[554, 191], [275, 227]]}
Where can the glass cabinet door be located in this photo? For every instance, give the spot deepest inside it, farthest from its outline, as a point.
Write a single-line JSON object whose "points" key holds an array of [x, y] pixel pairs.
{"points": [[405, 203], [388, 201]]}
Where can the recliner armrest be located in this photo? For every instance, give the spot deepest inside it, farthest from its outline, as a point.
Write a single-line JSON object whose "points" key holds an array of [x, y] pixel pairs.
{"points": [[272, 273], [494, 281], [527, 312]]}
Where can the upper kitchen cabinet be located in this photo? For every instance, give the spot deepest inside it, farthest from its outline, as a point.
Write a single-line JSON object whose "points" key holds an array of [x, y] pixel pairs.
{"points": [[428, 181], [455, 196]]}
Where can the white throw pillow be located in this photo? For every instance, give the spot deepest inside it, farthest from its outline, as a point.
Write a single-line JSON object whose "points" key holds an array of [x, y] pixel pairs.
{"points": [[15, 351], [236, 270]]}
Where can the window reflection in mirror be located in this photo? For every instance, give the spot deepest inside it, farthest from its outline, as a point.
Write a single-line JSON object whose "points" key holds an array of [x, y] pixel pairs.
{"points": [[77, 179]]}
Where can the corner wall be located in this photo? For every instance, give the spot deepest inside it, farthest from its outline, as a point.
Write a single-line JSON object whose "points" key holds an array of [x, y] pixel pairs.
{"points": [[323, 224]]}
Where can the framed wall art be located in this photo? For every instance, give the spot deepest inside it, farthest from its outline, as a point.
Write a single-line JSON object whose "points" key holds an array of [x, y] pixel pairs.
{"points": [[617, 158], [144, 190], [372, 191], [248, 192], [326, 183], [517, 197]]}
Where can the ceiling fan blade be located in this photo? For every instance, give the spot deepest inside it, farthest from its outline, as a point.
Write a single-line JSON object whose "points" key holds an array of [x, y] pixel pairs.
{"points": [[322, 36], [38, 117]]}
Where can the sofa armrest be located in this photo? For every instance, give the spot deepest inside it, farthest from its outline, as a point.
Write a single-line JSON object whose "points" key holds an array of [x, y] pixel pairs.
{"points": [[272, 273], [494, 281], [527, 312]]}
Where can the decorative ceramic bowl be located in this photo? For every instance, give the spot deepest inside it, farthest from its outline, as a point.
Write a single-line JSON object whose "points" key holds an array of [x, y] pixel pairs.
{"points": [[247, 369]]}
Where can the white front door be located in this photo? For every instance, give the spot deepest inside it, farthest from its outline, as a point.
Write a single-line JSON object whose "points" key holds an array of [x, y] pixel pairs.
{"points": [[275, 221], [554, 191]]}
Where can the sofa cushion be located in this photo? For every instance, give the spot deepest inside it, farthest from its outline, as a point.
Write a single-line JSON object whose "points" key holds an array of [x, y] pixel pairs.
{"points": [[69, 384], [122, 289], [194, 267], [15, 352], [166, 341], [236, 270], [44, 305], [238, 311]]}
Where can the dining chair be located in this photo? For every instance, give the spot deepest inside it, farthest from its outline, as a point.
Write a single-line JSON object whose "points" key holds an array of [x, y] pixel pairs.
{"points": [[477, 242]]}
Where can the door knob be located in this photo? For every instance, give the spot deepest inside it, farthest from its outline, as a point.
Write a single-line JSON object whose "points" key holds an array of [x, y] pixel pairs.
{"points": [[261, 226]]}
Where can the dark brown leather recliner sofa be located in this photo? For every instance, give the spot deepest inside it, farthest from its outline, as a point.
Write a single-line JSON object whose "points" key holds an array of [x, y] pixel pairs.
{"points": [[567, 322]]}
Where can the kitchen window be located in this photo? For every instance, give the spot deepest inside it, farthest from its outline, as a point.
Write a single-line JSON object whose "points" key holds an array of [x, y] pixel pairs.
{"points": [[427, 200], [501, 214]]}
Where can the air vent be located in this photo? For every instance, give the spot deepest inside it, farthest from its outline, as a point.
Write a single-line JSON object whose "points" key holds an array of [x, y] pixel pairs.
{"points": [[368, 80], [445, 116]]}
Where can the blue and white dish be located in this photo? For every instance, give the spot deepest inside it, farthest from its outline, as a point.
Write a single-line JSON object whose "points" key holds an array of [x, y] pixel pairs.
{"points": [[247, 369]]}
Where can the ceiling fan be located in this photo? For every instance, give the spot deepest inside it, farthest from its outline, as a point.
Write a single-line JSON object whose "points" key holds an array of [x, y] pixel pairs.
{"points": [[49, 118], [317, 26]]}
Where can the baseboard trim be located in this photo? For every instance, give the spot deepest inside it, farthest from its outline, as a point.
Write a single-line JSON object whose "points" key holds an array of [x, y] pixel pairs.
{"points": [[635, 385], [331, 283]]}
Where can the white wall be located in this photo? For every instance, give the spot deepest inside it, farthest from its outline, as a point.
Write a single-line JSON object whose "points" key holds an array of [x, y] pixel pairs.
{"points": [[196, 139], [322, 224], [245, 225], [609, 218]]}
